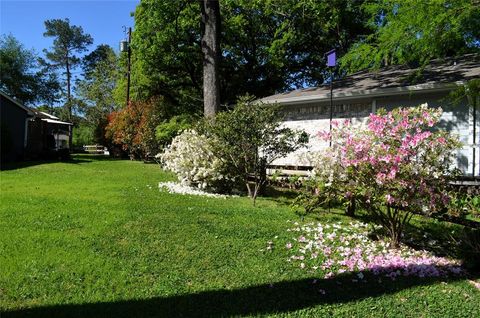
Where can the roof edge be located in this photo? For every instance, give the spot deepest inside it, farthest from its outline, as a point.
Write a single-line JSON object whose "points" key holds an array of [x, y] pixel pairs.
{"points": [[412, 89], [13, 100], [53, 121]]}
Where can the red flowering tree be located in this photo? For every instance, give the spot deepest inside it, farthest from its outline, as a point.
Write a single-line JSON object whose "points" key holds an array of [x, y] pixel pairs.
{"points": [[396, 166], [133, 127]]}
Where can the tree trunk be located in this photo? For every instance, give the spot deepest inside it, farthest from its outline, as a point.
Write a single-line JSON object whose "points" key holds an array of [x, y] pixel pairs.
{"points": [[69, 103], [350, 210], [249, 189], [210, 10], [263, 177], [394, 240]]}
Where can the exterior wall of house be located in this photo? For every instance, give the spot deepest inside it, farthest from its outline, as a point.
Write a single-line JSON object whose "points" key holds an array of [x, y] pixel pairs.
{"points": [[314, 117], [45, 137], [36, 140], [457, 119], [13, 121]]}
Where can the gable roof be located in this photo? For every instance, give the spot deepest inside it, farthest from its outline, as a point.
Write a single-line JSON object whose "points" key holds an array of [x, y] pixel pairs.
{"points": [[43, 116], [17, 103], [32, 112], [439, 75], [48, 115]]}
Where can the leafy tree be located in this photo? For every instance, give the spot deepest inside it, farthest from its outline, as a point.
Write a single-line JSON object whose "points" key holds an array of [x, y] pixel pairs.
{"points": [[414, 32], [168, 130], [102, 53], [266, 47], [137, 92], [96, 89], [275, 46], [68, 41], [133, 127], [22, 77], [249, 138], [166, 41], [83, 134]]}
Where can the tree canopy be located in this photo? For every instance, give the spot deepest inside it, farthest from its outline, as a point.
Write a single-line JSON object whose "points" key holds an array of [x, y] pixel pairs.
{"points": [[68, 41], [414, 32], [22, 77], [266, 46], [96, 89]]}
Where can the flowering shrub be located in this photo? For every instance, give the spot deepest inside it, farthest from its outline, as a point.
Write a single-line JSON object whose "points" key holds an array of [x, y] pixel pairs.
{"points": [[190, 156], [120, 128], [329, 184], [395, 166], [250, 137], [333, 249], [133, 127]]}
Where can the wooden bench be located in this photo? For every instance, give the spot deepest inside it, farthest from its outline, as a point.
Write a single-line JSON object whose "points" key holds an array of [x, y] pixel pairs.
{"points": [[96, 149]]}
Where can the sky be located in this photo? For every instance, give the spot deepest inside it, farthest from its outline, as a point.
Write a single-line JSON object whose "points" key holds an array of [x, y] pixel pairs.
{"points": [[102, 19]]}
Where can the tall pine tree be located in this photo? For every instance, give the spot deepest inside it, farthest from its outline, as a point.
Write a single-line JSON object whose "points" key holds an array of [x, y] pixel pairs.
{"points": [[69, 40]]}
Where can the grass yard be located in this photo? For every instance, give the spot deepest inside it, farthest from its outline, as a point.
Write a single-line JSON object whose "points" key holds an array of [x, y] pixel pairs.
{"points": [[96, 238]]}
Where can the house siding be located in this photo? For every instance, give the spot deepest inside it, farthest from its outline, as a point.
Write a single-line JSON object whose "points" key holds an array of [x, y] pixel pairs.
{"points": [[13, 122], [458, 120]]}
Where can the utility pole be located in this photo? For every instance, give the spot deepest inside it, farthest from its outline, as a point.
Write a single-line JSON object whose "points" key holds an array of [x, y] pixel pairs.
{"points": [[126, 47], [331, 62], [331, 106], [475, 144]]}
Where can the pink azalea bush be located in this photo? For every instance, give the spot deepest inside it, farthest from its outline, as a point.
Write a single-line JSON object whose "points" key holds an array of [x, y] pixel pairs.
{"points": [[395, 166], [329, 250]]}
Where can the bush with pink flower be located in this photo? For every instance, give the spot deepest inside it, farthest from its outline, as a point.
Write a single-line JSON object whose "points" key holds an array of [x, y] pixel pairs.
{"points": [[398, 165]]}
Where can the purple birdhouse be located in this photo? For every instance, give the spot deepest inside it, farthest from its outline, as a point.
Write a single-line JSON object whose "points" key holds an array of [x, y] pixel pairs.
{"points": [[331, 58]]}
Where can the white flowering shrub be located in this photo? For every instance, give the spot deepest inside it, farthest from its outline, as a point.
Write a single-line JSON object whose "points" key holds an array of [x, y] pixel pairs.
{"points": [[328, 185], [190, 156], [325, 166]]}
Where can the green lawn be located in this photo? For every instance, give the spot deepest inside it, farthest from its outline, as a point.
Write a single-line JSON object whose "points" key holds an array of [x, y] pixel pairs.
{"points": [[96, 238]]}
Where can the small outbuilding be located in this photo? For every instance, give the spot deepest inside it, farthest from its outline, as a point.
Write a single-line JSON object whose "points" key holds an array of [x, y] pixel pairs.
{"points": [[358, 95], [27, 133], [48, 136], [14, 119]]}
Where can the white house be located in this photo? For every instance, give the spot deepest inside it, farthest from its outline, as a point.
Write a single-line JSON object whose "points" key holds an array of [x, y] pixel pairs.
{"points": [[358, 95]]}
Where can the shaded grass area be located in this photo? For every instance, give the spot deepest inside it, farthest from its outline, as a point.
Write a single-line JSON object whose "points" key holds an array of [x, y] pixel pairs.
{"points": [[97, 238], [442, 238], [295, 298]]}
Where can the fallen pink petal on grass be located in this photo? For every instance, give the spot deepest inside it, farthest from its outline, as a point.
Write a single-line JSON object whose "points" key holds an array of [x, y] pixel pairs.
{"points": [[336, 249]]}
